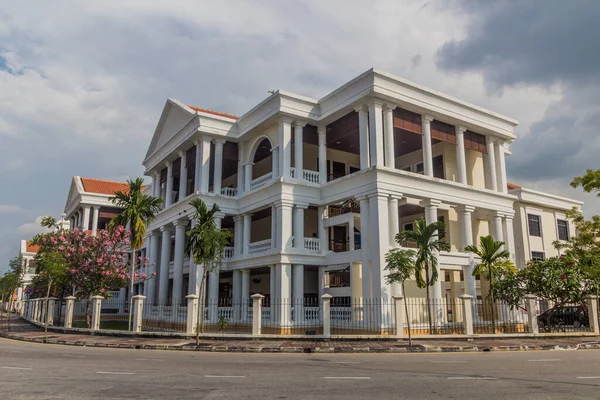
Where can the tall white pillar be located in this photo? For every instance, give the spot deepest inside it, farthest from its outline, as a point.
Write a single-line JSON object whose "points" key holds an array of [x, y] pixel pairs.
{"points": [[196, 271], [491, 164], [461, 160], [431, 216], [365, 223], [204, 164], [285, 153], [182, 176], [86, 218], [275, 163], [298, 292], [466, 237], [501, 167], [299, 226], [322, 132], [376, 133], [165, 259], [245, 293], [427, 151], [394, 220], [351, 233], [247, 176], [213, 295], [322, 231], [238, 239], [380, 243], [240, 169], [247, 232], [388, 135], [272, 291], [273, 227], [284, 224], [363, 132], [177, 297], [169, 193], [236, 294], [285, 295], [156, 185], [218, 165], [298, 149], [95, 215], [198, 169], [509, 236], [496, 226], [153, 263]]}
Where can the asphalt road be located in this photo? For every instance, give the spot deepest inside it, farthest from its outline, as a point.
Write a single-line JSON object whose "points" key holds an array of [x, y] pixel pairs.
{"points": [[38, 371]]}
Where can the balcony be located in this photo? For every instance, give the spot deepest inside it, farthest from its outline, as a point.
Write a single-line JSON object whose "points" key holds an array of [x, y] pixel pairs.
{"points": [[307, 175], [312, 245], [229, 191], [228, 253], [261, 181], [259, 247]]}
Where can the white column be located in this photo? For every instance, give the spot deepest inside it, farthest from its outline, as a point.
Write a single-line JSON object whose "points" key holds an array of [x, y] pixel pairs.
{"points": [[322, 231], [298, 149], [466, 237], [501, 167], [204, 164], [156, 185], [86, 218], [213, 295], [154, 243], [496, 225], [273, 227], [427, 151], [322, 132], [247, 176], [298, 292], [238, 239], [240, 173], [218, 165], [299, 226], [237, 294], [351, 233], [376, 133], [177, 297], [182, 175], [196, 271], [461, 161], [509, 236], [245, 293], [165, 259], [284, 224], [365, 223], [169, 193], [285, 154], [394, 220], [272, 291], [284, 284], [431, 215], [380, 243], [198, 168], [247, 232], [492, 182], [95, 215], [388, 132], [363, 132], [275, 163]]}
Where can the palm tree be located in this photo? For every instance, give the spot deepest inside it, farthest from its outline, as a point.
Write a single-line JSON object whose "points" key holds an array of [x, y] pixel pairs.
{"points": [[494, 261], [428, 244], [401, 265], [138, 209], [207, 245]]}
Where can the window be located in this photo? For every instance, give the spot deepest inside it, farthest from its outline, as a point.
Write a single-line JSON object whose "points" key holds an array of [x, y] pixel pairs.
{"points": [[340, 278], [419, 168], [563, 229], [535, 228], [537, 255]]}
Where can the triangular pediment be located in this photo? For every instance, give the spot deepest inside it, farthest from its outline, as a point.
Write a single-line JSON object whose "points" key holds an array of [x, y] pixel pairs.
{"points": [[75, 192], [174, 118]]}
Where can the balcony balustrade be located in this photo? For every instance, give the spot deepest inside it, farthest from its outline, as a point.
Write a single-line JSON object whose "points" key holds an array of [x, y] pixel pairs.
{"points": [[259, 247], [229, 191], [261, 181]]}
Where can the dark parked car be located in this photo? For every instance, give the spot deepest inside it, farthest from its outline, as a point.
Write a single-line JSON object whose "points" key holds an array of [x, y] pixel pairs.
{"points": [[576, 316]]}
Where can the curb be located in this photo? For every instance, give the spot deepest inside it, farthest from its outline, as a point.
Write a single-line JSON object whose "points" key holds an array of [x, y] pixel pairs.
{"points": [[311, 349]]}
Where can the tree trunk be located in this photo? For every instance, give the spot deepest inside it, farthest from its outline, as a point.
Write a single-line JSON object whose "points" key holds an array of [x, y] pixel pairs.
{"points": [[492, 300], [130, 300], [406, 316], [201, 305], [88, 313], [46, 321], [428, 299]]}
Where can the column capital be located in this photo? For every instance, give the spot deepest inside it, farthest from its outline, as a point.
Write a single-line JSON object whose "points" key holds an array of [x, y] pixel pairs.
{"points": [[495, 214], [427, 118], [220, 215], [395, 196], [283, 203], [197, 141], [430, 203], [490, 140], [321, 130], [362, 197], [299, 123], [87, 206], [300, 205], [166, 228], [459, 129], [387, 107], [249, 163], [238, 218], [362, 107], [181, 153], [465, 208], [154, 233], [168, 164], [375, 102], [181, 222], [219, 141], [285, 120]]}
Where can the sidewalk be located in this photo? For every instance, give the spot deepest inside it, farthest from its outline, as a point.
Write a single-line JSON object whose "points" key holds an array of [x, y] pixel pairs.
{"points": [[23, 330]]}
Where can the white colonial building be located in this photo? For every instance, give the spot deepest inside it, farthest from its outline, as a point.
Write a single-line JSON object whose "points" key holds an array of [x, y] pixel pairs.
{"points": [[314, 190]]}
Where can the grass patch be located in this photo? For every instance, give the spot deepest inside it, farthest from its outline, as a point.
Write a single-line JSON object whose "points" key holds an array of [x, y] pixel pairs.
{"points": [[109, 325]]}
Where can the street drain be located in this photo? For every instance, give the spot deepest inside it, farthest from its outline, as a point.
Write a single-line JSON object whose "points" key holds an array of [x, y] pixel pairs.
{"points": [[307, 350]]}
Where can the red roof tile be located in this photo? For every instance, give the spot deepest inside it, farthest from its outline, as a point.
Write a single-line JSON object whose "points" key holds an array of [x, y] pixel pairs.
{"points": [[103, 187], [32, 248], [512, 186], [220, 114]]}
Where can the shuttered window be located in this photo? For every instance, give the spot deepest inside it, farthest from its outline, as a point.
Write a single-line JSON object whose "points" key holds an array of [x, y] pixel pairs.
{"points": [[475, 141]]}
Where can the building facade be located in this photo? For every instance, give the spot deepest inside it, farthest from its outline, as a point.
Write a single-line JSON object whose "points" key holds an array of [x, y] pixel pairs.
{"points": [[314, 191]]}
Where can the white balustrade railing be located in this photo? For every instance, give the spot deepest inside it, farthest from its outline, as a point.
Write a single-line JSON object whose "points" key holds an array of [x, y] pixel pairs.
{"points": [[229, 191], [341, 313], [310, 176], [225, 312], [311, 313], [312, 244], [292, 172], [228, 253], [261, 181], [259, 247]]}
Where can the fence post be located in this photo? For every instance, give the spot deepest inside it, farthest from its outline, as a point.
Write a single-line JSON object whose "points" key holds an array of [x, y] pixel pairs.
{"points": [[257, 300], [36, 308], [531, 303], [399, 315], [138, 312], [467, 309], [69, 306], [96, 310], [592, 306], [326, 315], [192, 313], [51, 310]]}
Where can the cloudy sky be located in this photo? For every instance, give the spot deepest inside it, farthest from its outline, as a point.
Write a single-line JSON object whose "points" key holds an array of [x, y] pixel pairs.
{"points": [[82, 84]]}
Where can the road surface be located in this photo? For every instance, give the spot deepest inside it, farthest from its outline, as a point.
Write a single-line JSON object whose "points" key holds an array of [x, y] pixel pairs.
{"points": [[39, 371]]}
